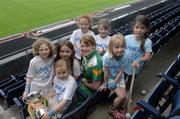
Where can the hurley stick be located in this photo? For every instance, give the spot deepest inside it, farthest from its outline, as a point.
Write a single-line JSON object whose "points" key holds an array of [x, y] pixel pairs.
{"points": [[130, 95]]}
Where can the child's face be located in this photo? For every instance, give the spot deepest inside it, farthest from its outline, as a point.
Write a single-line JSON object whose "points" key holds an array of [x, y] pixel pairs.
{"points": [[44, 51], [62, 74], [65, 52], [102, 31], [84, 25], [118, 48], [86, 49], [140, 30]]}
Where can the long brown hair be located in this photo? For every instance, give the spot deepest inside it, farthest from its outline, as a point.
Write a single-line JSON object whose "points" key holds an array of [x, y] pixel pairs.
{"points": [[143, 19], [69, 45]]}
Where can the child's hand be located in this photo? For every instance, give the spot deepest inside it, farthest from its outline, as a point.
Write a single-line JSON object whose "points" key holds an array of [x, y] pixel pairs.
{"points": [[135, 64], [51, 94], [102, 87], [24, 96], [45, 116], [100, 50], [48, 114], [112, 85]]}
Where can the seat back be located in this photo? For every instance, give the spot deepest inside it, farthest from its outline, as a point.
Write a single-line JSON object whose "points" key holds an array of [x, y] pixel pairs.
{"points": [[79, 112]]}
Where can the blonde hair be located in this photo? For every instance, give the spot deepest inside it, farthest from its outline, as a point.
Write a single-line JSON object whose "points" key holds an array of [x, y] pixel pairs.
{"points": [[62, 64], [115, 39], [88, 40], [36, 45]]}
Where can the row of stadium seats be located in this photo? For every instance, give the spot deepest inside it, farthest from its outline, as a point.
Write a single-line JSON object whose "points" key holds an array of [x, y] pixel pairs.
{"points": [[12, 87], [15, 46], [23, 43], [164, 34], [158, 15], [165, 93], [163, 10]]}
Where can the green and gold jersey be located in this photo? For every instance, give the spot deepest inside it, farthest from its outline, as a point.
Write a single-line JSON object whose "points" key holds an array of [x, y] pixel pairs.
{"points": [[92, 66]]}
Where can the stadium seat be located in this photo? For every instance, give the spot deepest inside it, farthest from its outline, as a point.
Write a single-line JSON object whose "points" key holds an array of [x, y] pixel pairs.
{"points": [[7, 82], [174, 68], [79, 112], [22, 107], [15, 90]]}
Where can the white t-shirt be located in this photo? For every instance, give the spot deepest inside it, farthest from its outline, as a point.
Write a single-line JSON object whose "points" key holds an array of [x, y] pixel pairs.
{"points": [[76, 68], [64, 89], [102, 43], [41, 71], [75, 40]]}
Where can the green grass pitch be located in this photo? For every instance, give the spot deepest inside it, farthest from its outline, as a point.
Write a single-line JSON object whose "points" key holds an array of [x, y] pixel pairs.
{"points": [[22, 15]]}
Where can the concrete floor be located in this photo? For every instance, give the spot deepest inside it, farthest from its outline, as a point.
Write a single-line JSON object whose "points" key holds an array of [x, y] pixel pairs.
{"points": [[147, 78]]}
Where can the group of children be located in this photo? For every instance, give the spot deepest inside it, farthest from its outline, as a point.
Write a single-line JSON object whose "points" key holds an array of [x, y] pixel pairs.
{"points": [[88, 61]]}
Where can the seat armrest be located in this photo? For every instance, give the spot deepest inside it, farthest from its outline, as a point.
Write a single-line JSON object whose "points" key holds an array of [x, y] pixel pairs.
{"points": [[2, 93], [147, 107], [18, 103], [170, 79]]}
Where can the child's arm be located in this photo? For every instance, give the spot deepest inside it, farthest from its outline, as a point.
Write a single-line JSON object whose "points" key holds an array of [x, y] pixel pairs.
{"points": [[117, 78], [59, 106], [27, 87], [106, 75], [146, 57]]}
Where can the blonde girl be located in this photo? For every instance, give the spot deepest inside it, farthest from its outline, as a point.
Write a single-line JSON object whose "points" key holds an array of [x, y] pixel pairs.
{"points": [[84, 24], [41, 67], [64, 87], [113, 67]]}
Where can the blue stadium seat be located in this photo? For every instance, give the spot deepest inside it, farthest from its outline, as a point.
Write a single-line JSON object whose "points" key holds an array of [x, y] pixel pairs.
{"points": [[175, 110], [14, 90], [7, 82], [174, 68], [79, 112], [162, 96], [22, 107]]}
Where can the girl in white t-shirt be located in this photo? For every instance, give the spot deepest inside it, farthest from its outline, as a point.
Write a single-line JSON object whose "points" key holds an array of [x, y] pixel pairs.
{"points": [[84, 24], [64, 87], [65, 50], [102, 39], [41, 67]]}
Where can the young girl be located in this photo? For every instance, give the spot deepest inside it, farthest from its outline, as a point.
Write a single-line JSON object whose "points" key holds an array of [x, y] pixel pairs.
{"points": [[102, 39], [113, 67], [138, 47], [41, 70], [91, 65], [84, 24], [65, 50], [64, 87]]}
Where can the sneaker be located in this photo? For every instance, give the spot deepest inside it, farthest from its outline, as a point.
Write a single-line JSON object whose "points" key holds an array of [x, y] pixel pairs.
{"points": [[116, 114], [143, 92]]}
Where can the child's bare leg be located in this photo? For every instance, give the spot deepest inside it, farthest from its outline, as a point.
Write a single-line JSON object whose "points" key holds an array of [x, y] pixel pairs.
{"points": [[121, 95]]}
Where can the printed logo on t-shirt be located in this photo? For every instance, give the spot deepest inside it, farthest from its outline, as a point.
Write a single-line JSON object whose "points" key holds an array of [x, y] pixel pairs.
{"points": [[46, 70], [59, 91]]}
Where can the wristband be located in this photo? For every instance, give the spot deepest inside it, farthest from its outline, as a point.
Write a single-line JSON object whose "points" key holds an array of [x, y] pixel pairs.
{"points": [[51, 113], [138, 60], [105, 84], [27, 87]]}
